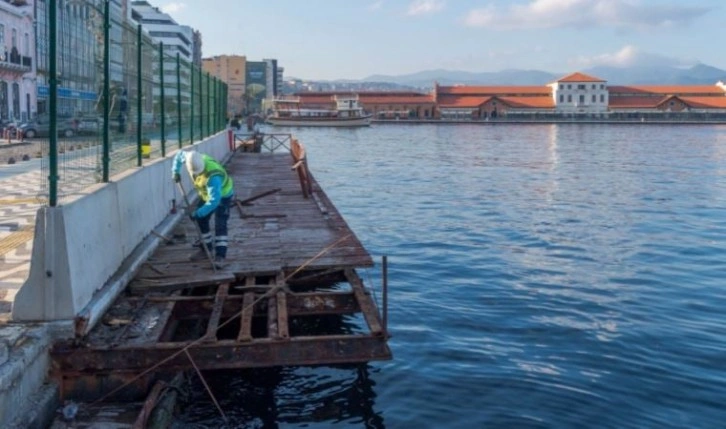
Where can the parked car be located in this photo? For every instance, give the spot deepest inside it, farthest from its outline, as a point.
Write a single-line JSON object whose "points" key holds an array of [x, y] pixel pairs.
{"points": [[8, 125], [67, 127]]}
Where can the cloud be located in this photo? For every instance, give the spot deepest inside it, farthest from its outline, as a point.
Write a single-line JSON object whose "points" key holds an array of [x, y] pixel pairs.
{"points": [[421, 7], [583, 13], [376, 5], [630, 56], [173, 7]]}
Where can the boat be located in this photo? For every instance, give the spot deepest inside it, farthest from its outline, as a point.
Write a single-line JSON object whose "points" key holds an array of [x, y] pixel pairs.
{"points": [[341, 111]]}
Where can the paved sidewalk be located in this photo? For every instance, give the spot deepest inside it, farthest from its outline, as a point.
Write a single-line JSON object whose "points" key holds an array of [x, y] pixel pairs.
{"points": [[18, 206]]}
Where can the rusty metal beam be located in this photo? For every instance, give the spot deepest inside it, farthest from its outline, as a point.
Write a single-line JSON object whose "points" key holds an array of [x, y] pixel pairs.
{"points": [[245, 328], [300, 304], [227, 354], [365, 302], [213, 324]]}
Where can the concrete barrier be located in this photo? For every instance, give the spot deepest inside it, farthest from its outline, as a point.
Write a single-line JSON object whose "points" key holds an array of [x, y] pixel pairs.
{"points": [[86, 250]]}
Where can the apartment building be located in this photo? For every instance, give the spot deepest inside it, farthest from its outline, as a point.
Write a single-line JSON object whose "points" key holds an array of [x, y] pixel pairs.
{"points": [[17, 68]]}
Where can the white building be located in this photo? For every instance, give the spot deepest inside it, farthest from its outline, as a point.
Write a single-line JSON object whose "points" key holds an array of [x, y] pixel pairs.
{"points": [[17, 60], [162, 28], [176, 39], [580, 93]]}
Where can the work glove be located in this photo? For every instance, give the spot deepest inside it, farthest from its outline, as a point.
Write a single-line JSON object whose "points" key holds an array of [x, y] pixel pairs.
{"points": [[176, 178]]}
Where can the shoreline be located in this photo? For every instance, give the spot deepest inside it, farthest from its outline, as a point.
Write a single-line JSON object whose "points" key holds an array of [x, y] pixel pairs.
{"points": [[544, 121]]}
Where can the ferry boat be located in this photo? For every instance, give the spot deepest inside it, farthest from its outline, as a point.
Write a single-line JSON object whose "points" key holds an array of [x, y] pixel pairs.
{"points": [[344, 111]]}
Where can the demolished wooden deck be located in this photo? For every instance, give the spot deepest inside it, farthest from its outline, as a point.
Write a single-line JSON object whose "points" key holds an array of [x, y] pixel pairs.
{"points": [[289, 293]]}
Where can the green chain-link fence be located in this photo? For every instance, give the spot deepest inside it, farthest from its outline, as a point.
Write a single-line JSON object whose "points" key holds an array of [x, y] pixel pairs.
{"points": [[118, 100]]}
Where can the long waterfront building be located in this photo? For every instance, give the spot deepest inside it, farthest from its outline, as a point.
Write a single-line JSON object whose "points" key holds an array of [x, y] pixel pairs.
{"points": [[575, 96]]}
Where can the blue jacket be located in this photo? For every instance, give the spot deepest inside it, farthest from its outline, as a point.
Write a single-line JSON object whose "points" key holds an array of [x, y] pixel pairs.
{"points": [[214, 187]]}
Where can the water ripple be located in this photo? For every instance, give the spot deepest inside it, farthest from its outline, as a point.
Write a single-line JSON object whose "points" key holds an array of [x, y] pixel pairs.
{"points": [[541, 276]]}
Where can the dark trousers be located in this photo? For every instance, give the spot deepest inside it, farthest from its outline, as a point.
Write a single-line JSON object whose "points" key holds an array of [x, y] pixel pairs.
{"points": [[221, 216]]}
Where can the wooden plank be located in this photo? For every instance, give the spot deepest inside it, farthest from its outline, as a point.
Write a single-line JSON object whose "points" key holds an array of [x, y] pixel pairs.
{"points": [[141, 286], [370, 313], [245, 329], [213, 324], [282, 322]]}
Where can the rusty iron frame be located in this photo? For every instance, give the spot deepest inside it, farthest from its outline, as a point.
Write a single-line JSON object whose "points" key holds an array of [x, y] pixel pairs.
{"points": [[246, 300]]}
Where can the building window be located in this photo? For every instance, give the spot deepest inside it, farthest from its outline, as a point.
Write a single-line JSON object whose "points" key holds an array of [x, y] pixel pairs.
{"points": [[562, 98], [15, 38], [569, 98], [594, 98], [569, 86], [562, 86], [602, 86], [582, 99], [2, 41], [581, 86], [593, 86], [26, 44], [602, 98]]}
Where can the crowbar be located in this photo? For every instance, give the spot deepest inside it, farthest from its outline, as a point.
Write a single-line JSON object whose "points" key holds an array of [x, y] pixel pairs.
{"points": [[199, 231]]}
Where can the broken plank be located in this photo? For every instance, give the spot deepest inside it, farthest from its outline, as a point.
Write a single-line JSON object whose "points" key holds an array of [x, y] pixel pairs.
{"points": [[182, 283]]}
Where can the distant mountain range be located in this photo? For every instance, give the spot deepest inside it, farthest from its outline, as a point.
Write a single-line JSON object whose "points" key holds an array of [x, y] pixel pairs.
{"points": [[700, 74]]}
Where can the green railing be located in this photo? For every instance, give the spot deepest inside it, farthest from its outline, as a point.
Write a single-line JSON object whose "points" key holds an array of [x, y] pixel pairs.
{"points": [[111, 98]]}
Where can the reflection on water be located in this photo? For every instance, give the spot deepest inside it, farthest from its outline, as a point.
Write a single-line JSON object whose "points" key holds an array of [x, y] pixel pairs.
{"points": [[541, 276], [304, 396]]}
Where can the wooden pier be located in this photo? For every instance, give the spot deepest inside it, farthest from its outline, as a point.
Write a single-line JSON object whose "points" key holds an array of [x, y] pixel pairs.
{"points": [[289, 293]]}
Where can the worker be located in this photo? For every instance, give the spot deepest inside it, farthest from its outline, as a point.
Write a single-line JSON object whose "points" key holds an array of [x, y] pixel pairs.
{"points": [[216, 190]]}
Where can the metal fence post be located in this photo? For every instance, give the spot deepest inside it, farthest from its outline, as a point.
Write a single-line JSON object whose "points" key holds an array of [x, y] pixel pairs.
{"points": [[209, 105], [178, 100], [53, 105], [139, 101], [201, 107], [225, 102], [161, 103], [106, 88], [191, 103], [220, 122]]}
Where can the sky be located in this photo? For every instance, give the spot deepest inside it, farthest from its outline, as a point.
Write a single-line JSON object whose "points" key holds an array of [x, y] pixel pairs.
{"points": [[344, 39]]}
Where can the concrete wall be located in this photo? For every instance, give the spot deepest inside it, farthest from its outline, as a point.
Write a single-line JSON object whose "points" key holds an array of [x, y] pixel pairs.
{"points": [[82, 248]]}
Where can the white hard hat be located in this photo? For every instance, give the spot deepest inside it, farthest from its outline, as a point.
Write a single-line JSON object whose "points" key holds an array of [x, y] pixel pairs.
{"points": [[195, 163]]}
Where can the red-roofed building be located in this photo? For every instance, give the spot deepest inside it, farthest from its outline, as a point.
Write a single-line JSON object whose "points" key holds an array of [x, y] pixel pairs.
{"points": [[574, 95]]}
